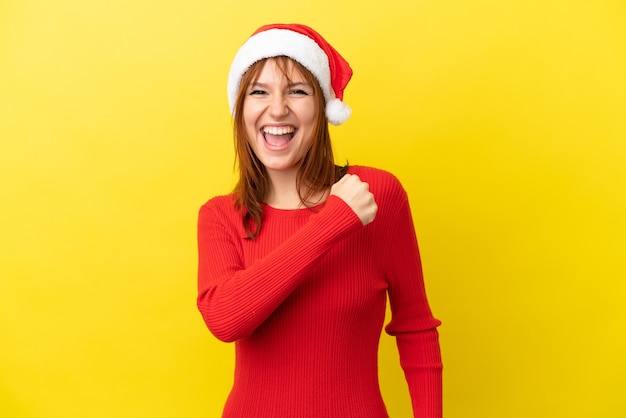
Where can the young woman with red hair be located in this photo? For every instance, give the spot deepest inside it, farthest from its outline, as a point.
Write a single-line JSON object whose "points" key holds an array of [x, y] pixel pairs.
{"points": [[296, 265]]}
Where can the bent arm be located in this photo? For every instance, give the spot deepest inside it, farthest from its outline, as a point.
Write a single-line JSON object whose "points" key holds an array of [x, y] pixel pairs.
{"points": [[234, 300]]}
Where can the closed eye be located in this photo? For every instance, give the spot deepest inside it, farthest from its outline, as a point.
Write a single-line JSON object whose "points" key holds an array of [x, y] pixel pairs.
{"points": [[300, 89], [299, 92]]}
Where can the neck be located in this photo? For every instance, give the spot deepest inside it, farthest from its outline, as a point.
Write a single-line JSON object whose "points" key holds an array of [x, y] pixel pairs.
{"points": [[283, 193]]}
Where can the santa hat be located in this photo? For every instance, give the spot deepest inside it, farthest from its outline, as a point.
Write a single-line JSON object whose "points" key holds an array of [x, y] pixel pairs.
{"points": [[304, 45]]}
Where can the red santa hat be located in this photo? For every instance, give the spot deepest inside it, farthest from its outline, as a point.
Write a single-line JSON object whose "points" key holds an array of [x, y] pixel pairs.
{"points": [[304, 45]]}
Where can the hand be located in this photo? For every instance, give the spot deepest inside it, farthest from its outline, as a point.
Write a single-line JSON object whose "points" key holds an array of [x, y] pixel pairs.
{"points": [[357, 195]]}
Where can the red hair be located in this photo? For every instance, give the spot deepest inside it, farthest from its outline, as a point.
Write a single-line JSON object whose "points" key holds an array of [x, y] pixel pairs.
{"points": [[317, 171]]}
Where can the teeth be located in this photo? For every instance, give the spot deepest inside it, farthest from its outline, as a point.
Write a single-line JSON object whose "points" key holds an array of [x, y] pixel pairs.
{"points": [[278, 130]]}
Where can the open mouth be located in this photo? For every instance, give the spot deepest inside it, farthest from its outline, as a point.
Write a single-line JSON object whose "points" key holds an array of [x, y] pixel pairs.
{"points": [[278, 137]]}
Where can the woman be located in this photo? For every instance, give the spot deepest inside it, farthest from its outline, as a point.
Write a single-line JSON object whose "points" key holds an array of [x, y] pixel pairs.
{"points": [[295, 265]]}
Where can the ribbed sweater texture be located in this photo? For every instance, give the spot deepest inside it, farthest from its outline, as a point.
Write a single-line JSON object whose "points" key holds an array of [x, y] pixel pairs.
{"points": [[305, 304]]}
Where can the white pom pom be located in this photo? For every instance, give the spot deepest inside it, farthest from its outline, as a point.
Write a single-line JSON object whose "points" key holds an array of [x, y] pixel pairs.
{"points": [[337, 112]]}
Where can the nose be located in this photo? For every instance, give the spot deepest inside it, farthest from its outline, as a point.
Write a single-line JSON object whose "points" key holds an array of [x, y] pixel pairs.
{"points": [[278, 106]]}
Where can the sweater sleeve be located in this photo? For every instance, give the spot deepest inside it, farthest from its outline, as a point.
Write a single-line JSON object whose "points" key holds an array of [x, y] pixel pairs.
{"points": [[234, 300], [412, 322]]}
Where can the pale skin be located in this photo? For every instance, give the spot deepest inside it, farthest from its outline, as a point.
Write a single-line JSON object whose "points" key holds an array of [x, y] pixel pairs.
{"points": [[279, 117]]}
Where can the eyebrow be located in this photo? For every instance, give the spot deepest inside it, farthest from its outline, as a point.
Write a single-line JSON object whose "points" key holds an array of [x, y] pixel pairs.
{"points": [[300, 83], [291, 85]]}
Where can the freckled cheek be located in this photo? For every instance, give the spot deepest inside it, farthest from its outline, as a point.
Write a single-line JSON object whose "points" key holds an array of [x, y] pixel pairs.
{"points": [[250, 120], [306, 112]]}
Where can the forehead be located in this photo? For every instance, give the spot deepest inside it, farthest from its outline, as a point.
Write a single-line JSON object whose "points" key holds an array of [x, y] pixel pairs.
{"points": [[281, 68]]}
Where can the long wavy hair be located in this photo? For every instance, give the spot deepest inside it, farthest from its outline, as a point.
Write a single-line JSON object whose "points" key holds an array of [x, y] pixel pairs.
{"points": [[317, 171]]}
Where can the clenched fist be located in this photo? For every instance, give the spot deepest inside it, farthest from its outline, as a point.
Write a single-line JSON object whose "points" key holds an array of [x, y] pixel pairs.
{"points": [[357, 195]]}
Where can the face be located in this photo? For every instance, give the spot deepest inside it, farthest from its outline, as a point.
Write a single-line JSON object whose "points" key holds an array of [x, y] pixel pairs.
{"points": [[279, 113]]}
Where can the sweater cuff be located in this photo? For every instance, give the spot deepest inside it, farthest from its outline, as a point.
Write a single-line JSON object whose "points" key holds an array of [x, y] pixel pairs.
{"points": [[340, 213]]}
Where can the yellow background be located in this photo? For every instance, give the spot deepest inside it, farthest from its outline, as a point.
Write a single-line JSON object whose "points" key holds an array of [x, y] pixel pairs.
{"points": [[505, 120]]}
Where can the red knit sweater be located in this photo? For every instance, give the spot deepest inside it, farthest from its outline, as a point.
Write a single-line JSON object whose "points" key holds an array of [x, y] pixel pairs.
{"points": [[305, 303]]}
